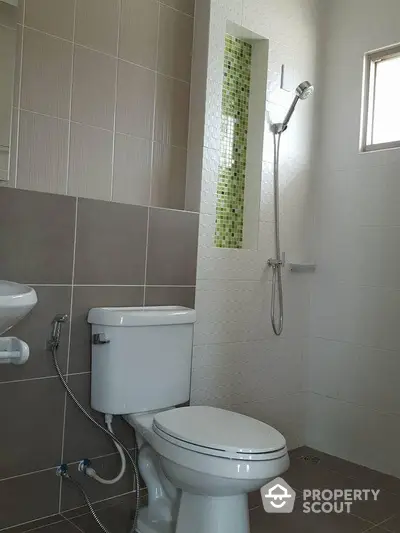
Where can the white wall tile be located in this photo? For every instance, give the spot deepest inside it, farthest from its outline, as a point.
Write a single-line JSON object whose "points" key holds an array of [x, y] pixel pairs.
{"points": [[355, 297], [238, 363], [353, 432]]}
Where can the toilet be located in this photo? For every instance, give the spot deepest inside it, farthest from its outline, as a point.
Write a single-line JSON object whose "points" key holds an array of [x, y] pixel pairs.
{"points": [[198, 462]]}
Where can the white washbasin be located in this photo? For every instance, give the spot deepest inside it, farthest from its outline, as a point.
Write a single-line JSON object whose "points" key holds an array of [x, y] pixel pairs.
{"points": [[16, 301]]}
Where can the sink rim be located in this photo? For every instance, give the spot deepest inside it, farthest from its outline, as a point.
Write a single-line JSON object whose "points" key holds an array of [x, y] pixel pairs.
{"points": [[19, 295]]}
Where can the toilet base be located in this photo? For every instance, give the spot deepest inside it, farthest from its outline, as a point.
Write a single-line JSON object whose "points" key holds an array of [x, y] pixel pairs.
{"points": [[205, 514], [144, 525]]}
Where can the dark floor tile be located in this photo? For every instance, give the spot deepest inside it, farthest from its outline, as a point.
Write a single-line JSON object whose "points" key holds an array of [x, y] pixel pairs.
{"points": [[386, 506], [370, 478], [82, 439], [111, 243], [35, 330], [299, 522], [124, 499], [300, 452], [184, 296], [116, 518], [36, 524], [392, 525], [254, 499], [36, 236], [64, 526], [32, 426], [107, 467], [337, 523], [172, 248], [83, 300], [307, 475], [27, 498]]}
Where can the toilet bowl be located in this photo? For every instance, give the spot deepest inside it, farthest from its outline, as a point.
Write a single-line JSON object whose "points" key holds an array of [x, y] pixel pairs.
{"points": [[214, 458], [198, 462]]}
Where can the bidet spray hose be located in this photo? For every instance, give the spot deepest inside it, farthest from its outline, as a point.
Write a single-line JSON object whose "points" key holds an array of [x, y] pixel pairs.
{"points": [[53, 346], [91, 472]]}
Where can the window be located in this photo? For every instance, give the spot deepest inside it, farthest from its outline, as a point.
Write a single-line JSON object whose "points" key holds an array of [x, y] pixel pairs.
{"points": [[381, 116]]}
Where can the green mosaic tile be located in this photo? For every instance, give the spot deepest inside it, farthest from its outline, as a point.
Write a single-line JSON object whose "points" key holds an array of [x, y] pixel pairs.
{"points": [[234, 126]]}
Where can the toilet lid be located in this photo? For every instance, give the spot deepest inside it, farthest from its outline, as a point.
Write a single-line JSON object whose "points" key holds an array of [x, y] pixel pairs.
{"points": [[219, 430]]}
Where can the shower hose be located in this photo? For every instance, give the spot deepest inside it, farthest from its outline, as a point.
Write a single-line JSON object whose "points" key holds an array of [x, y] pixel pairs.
{"points": [[53, 347], [277, 264]]}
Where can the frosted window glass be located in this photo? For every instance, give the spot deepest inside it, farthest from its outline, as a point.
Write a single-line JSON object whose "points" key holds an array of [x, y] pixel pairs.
{"points": [[386, 113]]}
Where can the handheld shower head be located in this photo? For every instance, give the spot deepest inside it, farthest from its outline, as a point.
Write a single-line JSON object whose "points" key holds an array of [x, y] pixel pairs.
{"points": [[303, 91]]}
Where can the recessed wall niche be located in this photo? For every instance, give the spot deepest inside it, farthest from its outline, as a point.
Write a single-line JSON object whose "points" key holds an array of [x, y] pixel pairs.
{"points": [[244, 89]]}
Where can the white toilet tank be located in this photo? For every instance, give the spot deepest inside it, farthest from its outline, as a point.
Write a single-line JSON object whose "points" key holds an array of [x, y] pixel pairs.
{"points": [[141, 358]]}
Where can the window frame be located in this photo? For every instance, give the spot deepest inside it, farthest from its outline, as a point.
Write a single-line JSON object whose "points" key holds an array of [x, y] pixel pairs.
{"points": [[367, 119]]}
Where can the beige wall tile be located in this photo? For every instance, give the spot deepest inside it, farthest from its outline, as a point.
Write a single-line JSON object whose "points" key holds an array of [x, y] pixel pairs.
{"points": [[172, 111], [9, 15], [46, 74], [175, 44], [13, 149], [17, 68], [97, 24], [132, 170], [187, 6], [135, 100], [138, 34], [169, 177], [93, 94], [90, 166], [51, 16], [42, 157]]}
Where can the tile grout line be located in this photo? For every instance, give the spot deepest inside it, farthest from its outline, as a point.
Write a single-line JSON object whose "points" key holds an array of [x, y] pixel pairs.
{"points": [[21, 56], [116, 497], [176, 10], [71, 88], [72, 523], [25, 474], [187, 82], [101, 128], [153, 129], [97, 285], [69, 342], [10, 528], [115, 101]]}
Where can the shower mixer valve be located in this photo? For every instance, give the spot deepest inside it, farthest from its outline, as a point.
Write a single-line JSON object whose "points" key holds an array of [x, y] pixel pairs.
{"points": [[277, 262]]}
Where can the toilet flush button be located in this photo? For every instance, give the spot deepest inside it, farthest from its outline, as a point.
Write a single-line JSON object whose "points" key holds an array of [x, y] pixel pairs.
{"points": [[100, 338]]}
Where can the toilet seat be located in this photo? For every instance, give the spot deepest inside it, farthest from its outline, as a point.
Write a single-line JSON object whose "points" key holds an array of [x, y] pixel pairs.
{"points": [[221, 433]]}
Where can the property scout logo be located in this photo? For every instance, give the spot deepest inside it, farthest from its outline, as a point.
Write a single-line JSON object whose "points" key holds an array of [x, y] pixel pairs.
{"points": [[279, 497]]}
